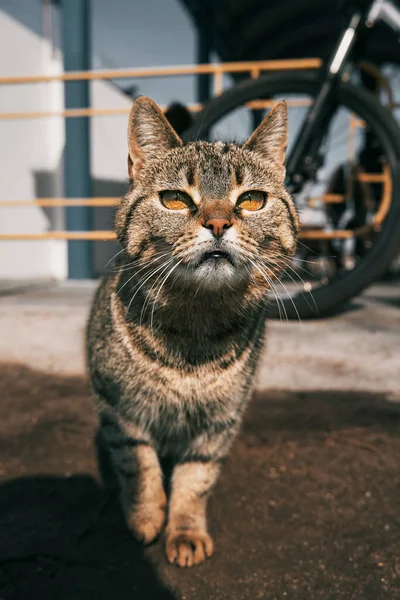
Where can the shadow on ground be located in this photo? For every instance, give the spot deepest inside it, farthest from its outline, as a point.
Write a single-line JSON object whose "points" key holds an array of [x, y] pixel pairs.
{"points": [[306, 508], [64, 538]]}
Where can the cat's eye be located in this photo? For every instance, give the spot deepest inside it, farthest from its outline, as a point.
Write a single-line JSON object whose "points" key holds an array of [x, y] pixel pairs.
{"points": [[252, 200], [175, 199]]}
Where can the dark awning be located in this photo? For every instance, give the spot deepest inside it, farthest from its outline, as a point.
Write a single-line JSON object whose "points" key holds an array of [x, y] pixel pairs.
{"points": [[267, 29]]}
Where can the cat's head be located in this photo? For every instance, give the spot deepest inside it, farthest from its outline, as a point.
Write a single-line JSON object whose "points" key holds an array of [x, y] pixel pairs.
{"points": [[217, 214]]}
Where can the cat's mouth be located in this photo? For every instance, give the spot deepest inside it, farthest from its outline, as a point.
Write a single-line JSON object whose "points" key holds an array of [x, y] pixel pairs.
{"points": [[216, 257]]}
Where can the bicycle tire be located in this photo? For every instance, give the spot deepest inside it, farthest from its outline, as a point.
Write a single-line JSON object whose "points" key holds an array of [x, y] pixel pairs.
{"points": [[330, 297]]}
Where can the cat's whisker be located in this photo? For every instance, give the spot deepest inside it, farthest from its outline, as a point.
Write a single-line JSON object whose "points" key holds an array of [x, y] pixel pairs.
{"points": [[139, 261], [201, 124], [307, 248], [112, 258], [279, 263], [284, 262], [270, 284], [198, 289], [134, 263], [126, 282], [292, 301], [147, 299], [279, 302], [145, 266], [144, 282], [156, 298], [142, 279], [296, 258], [278, 299], [302, 291], [311, 262], [288, 266], [290, 261]]}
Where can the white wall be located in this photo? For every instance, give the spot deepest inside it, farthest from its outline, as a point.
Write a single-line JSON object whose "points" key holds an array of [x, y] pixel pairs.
{"points": [[109, 133], [125, 34], [27, 146]]}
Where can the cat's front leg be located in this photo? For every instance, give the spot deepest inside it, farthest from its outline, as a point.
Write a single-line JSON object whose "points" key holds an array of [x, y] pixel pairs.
{"points": [[187, 539], [139, 473], [144, 500]]}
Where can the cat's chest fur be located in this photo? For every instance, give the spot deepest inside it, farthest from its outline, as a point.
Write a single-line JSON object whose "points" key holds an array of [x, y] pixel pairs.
{"points": [[174, 386], [183, 368]]}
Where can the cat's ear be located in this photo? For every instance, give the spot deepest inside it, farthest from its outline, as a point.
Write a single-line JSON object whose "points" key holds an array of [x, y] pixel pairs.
{"points": [[149, 134], [271, 136]]}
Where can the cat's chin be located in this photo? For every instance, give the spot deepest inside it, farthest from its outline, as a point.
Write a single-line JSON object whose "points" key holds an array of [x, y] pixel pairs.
{"points": [[215, 273]]}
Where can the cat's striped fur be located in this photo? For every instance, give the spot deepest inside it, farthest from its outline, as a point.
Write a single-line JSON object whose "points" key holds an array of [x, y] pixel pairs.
{"points": [[173, 343]]}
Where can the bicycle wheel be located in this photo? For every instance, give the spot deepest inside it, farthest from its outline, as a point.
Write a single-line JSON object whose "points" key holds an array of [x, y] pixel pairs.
{"points": [[350, 212]]}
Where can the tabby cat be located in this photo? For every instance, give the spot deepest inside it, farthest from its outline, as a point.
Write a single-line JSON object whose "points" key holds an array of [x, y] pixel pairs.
{"points": [[176, 328]]}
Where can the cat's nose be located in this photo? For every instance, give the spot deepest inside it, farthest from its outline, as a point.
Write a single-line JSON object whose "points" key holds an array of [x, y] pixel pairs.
{"points": [[218, 225]]}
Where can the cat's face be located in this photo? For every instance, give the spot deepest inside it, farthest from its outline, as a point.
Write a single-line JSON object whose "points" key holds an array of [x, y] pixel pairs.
{"points": [[217, 214]]}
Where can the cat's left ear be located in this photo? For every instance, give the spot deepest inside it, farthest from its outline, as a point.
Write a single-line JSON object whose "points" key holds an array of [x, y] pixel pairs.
{"points": [[149, 134], [271, 136]]}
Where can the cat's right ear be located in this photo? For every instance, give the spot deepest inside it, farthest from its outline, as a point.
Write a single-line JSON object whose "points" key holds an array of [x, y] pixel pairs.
{"points": [[149, 134]]}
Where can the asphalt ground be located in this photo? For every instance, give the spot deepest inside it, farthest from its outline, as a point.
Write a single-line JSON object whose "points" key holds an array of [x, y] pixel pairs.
{"points": [[307, 505]]}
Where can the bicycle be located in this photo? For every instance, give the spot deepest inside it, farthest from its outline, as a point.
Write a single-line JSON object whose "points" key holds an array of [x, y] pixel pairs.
{"points": [[349, 209]]}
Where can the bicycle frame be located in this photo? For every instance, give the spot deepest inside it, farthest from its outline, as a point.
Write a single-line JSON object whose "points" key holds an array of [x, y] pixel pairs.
{"points": [[303, 158]]}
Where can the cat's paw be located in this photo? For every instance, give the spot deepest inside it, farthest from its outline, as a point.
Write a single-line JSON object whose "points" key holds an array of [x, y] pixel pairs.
{"points": [[146, 521], [188, 548]]}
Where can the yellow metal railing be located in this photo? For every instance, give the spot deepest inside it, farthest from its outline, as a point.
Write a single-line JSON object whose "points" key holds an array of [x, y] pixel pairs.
{"points": [[254, 69]]}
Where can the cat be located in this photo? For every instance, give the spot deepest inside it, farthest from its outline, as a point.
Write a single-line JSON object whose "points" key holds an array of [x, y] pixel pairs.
{"points": [[176, 328]]}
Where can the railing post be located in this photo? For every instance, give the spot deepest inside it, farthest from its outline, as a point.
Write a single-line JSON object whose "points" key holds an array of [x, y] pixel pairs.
{"points": [[77, 179]]}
